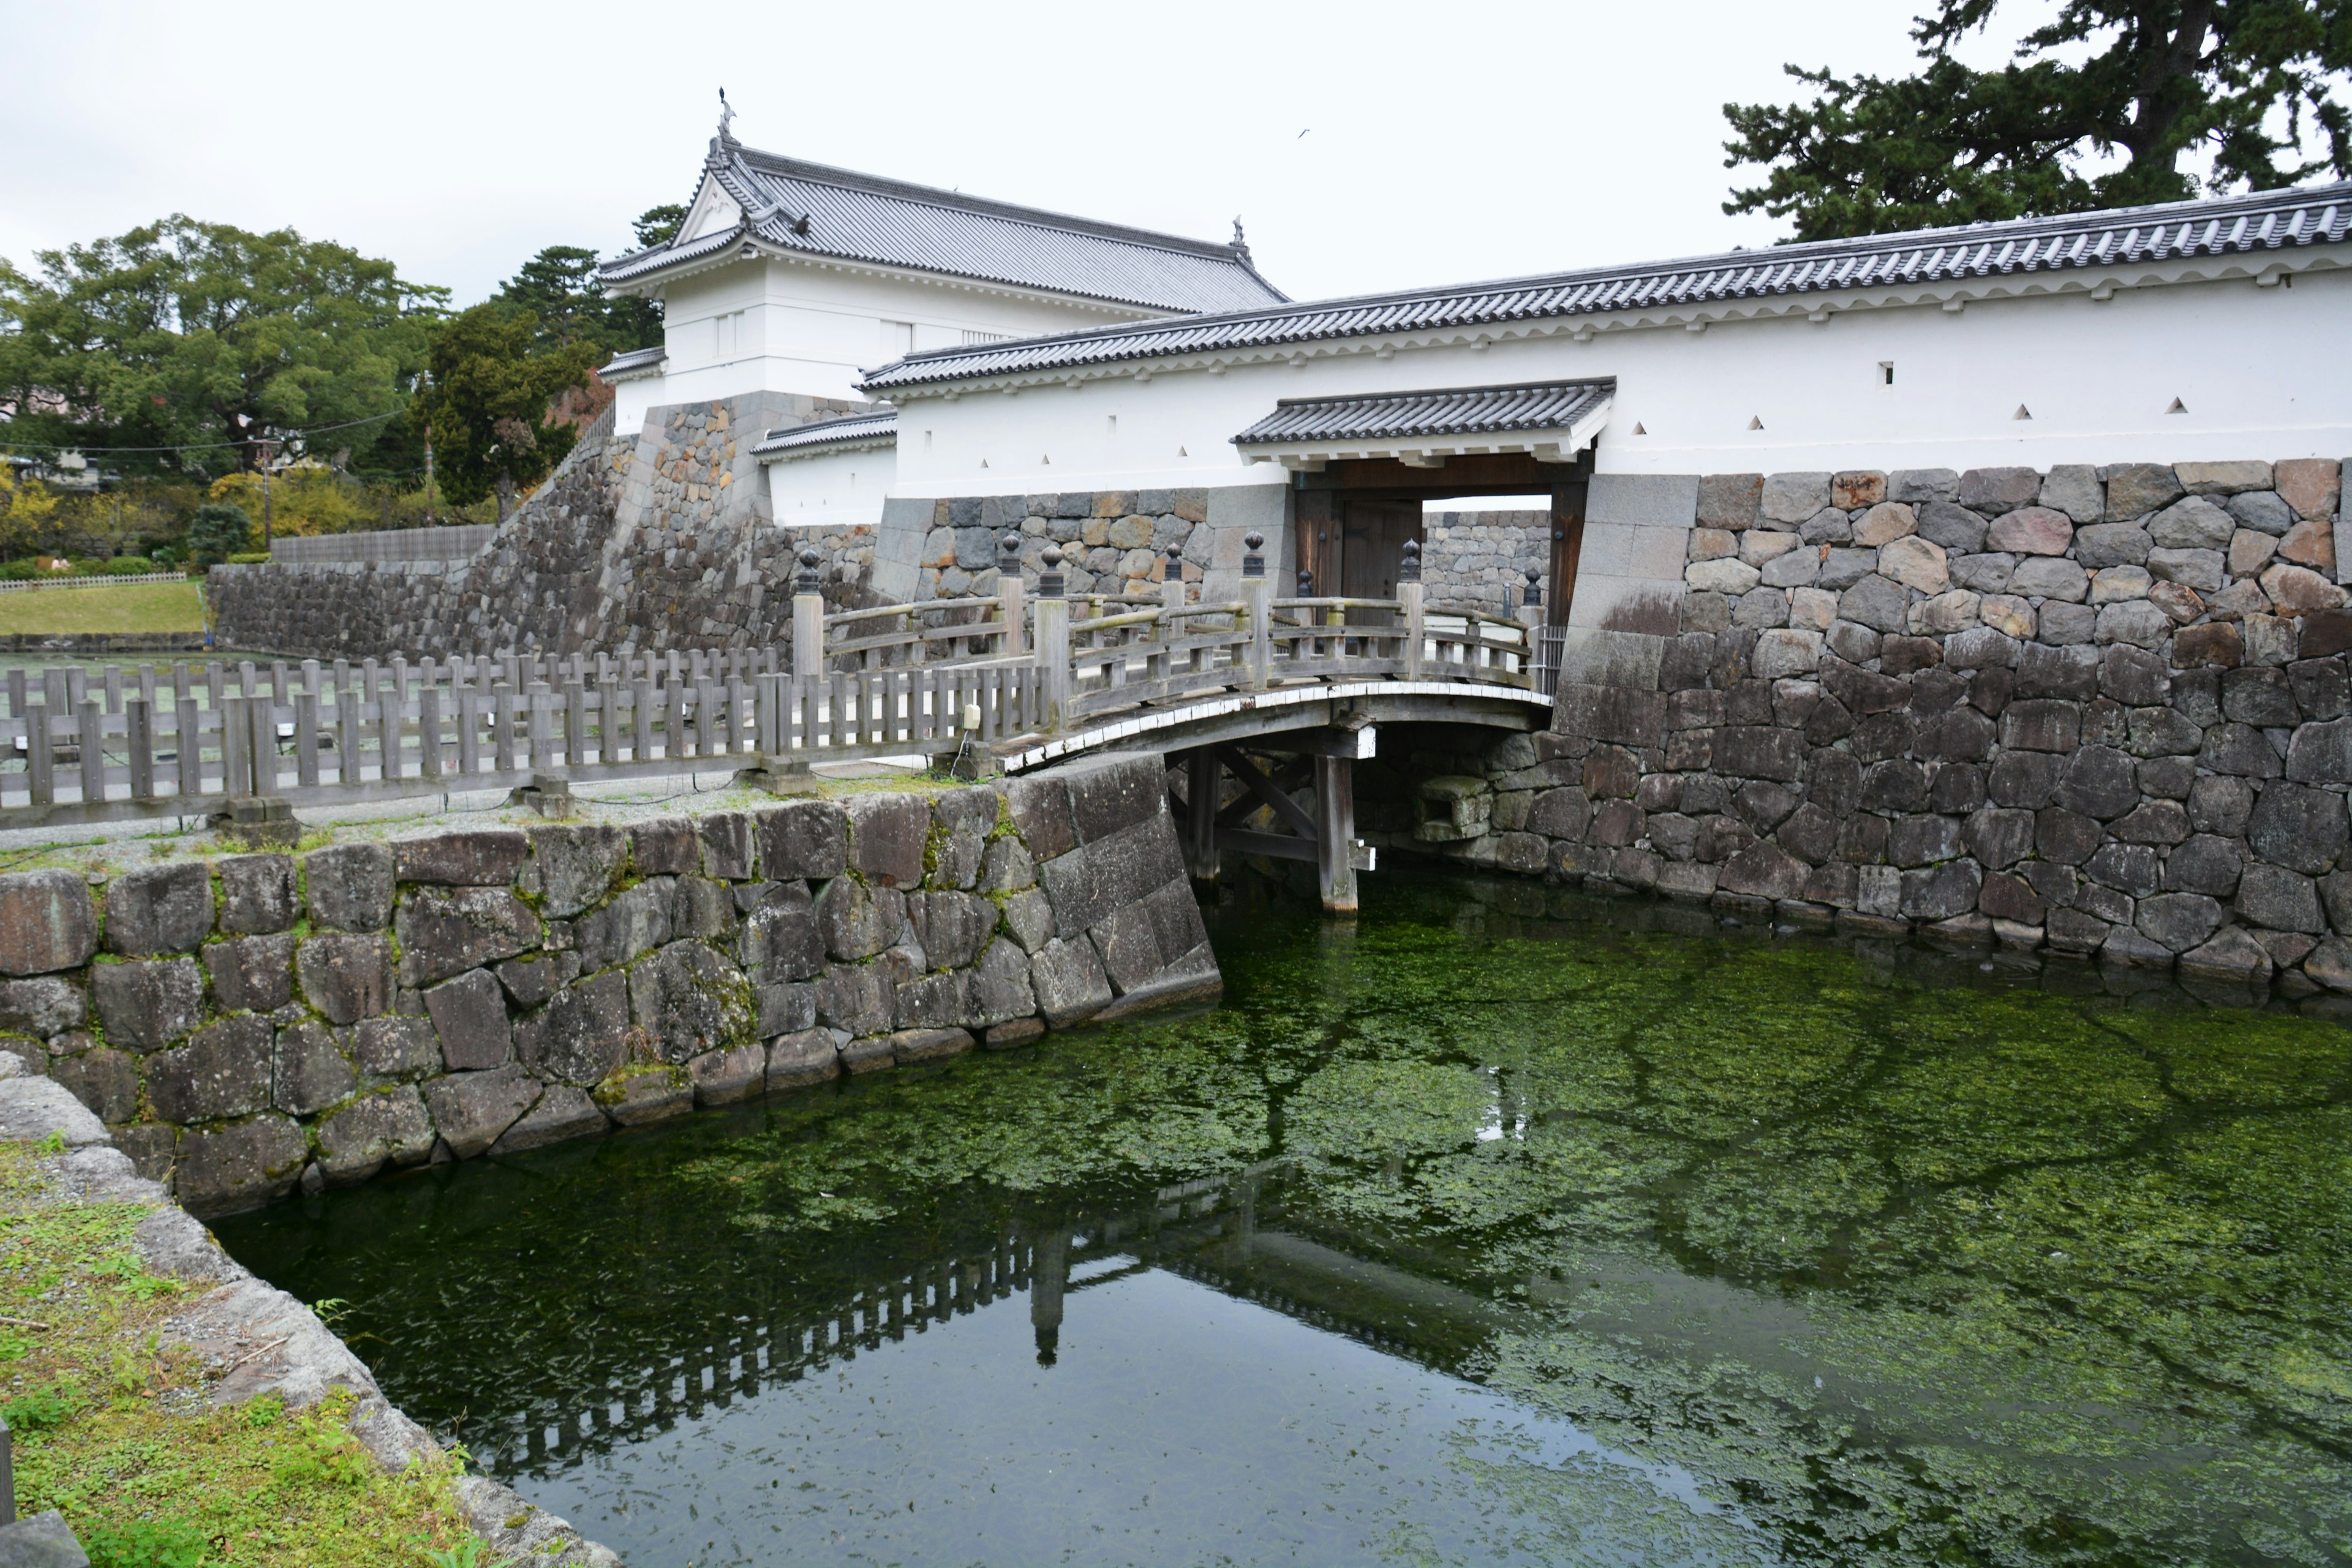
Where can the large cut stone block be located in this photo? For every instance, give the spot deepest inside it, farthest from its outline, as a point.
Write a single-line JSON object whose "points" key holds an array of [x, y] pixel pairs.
{"points": [[952, 927], [638, 922], [582, 1035], [254, 973], [783, 1010], [469, 1018], [445, 932], [933, 1001], [2298, 826], [888, 833], [351, 886], [308, 1073], [572, 867], [562, 1114], [1114, 795], [396, 1047], [640, 1098], [159, 909], [257, 894], [347, 975], [726, 1077], [105, 1080], [1069, 982], [41, 1007], [663, 846], [779, 940], [795, 1061], [243, 1166], [999, 988], [146, 1006], [477, 858], [690, 1000], [858, 998], [471, 1109], [803, 840], [1040, 807], [223, 1071], [389, 1128], [856, 920]]}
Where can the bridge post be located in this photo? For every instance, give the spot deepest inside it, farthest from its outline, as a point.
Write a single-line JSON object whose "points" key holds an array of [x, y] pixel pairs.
{"points": [[1257, 593], [1053, 623], [1408, 601], [808, 616], [1335, 819], [1531, 606], [1203, 782], [1172, 585], [1009, 589]]}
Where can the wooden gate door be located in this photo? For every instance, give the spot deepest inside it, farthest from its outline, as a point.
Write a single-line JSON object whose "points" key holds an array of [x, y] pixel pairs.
{"points": [[1567, 545], [1375, 533]]}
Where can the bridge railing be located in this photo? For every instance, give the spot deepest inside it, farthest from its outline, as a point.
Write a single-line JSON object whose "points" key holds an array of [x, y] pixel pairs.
{"points": [[893, 681]]}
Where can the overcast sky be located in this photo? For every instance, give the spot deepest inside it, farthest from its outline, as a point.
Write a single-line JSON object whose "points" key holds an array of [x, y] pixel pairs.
{"points": [[1366, 146]]}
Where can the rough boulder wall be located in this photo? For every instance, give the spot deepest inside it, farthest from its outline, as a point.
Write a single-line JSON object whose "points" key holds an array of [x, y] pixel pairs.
{"points": [[693, 559], [660, 540]]}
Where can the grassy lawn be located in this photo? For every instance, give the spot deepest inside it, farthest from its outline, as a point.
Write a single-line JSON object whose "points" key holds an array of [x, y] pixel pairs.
{"points": [[113, 1429], [139, 607]]}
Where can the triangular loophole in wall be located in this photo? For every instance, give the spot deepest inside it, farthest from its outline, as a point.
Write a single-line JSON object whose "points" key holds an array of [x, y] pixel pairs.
{"points": [[1755, 423], [2022, 413], [2178, 407]]}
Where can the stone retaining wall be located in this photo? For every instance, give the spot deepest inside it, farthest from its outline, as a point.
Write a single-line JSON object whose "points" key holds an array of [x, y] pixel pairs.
{"points": [[2093, 711], [246, 1025], [666, 540], [1483, 558]]}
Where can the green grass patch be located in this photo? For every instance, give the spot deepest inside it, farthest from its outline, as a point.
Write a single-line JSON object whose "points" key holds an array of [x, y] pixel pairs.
{"points": [[134, 608], [113, 1428]]}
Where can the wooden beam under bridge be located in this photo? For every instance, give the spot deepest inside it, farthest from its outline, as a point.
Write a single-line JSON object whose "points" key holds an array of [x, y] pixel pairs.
{"points": [[1327, 837]]}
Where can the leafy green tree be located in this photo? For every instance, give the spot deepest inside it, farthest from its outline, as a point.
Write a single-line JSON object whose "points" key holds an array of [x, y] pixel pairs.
{"points": [[218, 530], [493, 377], [183, 334], [2098, 108], [656, 225]]}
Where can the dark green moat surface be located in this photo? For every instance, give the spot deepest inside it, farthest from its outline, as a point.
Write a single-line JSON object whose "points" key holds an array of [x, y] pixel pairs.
{"points": [[1494, 1228]]}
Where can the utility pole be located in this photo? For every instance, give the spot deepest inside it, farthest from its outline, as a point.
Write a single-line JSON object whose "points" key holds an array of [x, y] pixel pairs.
{"points": [[267, 447], [428, 455]]}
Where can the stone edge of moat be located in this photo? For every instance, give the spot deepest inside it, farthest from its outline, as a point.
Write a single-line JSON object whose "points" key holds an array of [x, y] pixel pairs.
{"points": [[251, 1337], [251, 1024]]}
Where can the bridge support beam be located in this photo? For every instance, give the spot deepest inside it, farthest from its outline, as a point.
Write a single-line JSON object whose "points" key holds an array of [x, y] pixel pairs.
{"points": [[1203, 782], [1335, 819]]}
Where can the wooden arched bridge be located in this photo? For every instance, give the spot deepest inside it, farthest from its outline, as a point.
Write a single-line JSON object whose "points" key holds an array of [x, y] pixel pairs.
{"points": [[1009, 683]]}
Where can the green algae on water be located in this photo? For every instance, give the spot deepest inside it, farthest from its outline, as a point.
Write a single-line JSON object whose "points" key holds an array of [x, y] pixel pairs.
{"points": [[1890, 1261]]}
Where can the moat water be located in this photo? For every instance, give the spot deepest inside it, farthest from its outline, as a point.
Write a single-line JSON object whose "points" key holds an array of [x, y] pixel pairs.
{"points": [[1503, 1226]]}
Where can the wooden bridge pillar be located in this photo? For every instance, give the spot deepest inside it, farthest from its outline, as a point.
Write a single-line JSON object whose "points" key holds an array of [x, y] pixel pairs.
{"points": [[1203, 782], [1335, 818]]}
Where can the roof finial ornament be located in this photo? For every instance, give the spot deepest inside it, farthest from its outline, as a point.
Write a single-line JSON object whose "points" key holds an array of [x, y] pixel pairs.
{"points": [[1240, 246], [726, 117]]}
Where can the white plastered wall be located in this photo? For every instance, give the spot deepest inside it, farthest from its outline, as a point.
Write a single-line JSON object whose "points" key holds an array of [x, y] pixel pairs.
{"points": [[831, 489], [2249, 366], [776, 325]]}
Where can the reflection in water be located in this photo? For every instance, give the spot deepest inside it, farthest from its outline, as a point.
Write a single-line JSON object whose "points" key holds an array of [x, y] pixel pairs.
{"points": [[1502, 1225]]}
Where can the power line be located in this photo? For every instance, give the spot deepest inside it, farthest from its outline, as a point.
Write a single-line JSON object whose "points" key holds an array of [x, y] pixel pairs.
{"points": [[303, 434]]}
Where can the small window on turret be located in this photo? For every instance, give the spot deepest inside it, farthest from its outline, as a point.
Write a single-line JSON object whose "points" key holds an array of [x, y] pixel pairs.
{"points": [[1887, 373]]}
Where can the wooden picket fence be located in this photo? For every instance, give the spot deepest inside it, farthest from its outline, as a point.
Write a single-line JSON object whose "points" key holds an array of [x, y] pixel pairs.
{"points": [[892, 680], [188, 738]]}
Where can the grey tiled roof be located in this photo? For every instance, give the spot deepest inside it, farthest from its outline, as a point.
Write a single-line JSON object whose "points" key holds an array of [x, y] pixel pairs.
{"points": [[1460, 411], [2266, 221], [636, 361], [801, 206], [797, 438]]}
